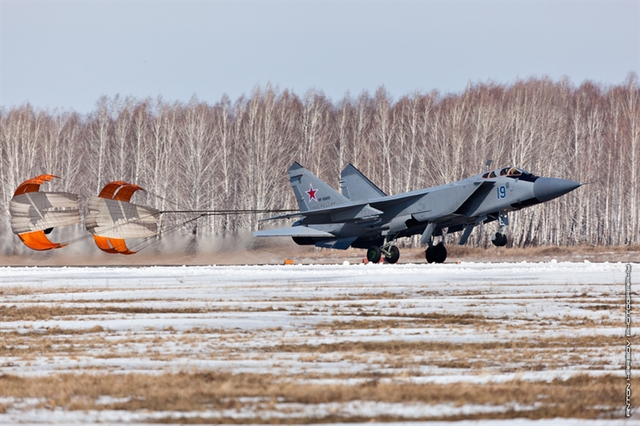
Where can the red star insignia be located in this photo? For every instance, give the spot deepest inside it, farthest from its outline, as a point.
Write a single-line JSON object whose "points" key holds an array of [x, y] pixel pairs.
{"points": [[312, 193]]}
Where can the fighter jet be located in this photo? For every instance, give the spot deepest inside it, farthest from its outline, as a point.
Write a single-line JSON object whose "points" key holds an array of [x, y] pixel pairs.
{"points": [[363, 216]]}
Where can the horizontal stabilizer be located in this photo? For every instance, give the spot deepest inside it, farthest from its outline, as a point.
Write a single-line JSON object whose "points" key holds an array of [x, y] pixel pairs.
{"points": [[338, 213], [294, 231], [338, 243]]}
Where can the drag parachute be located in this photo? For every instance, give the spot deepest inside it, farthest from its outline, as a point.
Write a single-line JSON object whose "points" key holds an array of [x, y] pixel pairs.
{"points": [[111, 218], [34, 214]]}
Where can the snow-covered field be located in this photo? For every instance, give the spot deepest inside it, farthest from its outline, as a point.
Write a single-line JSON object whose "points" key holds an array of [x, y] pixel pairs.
{"points": [[314, 343]]}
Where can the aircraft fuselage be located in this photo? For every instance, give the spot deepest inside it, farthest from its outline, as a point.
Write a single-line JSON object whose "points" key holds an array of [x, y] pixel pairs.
{"points": [[364, 217]]}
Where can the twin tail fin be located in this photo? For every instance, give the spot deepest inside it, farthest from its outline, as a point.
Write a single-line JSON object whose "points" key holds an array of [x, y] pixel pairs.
{"points": [[312, 193]]}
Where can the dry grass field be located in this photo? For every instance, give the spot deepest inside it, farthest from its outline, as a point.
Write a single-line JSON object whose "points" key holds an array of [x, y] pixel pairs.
{"points": [[312, 344]]}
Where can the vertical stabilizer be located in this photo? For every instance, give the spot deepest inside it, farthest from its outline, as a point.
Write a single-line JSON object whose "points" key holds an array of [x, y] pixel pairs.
{"points": [[312, 193], [356, 187]]}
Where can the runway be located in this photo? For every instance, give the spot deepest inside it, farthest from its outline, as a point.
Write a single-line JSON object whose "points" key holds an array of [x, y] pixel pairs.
{"points": [[363, 342]]}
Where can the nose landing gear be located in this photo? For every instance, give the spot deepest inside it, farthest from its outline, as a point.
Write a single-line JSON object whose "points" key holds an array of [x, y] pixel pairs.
{"points": [[499, 239]]}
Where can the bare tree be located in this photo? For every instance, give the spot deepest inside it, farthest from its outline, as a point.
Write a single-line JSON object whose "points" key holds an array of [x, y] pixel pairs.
{"points": [[196, 155], [100, 129], [234, 155]]}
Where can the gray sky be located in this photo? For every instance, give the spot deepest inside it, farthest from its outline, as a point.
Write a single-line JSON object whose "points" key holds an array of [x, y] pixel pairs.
{"points": [[66, 54]]}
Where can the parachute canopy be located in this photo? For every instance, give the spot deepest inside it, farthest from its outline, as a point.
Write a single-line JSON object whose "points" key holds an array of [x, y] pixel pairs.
{"points": [[34, 214], [112, 218]]}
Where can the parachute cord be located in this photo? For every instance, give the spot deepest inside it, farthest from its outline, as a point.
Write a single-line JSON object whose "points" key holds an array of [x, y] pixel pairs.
{"points": [[226, 212], [141, 245], [89, 234], [181, 209]]}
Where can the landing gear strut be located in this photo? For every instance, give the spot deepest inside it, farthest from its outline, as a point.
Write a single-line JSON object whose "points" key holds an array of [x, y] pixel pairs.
{"points": [[499, 239]]}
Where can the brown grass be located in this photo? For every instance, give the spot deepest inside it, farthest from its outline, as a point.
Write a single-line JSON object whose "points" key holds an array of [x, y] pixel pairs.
{"points": [[580, 396], [47, 311], [432, 319], [402, 347]]}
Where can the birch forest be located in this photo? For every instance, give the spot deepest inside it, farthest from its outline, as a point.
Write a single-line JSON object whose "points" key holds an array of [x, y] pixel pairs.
{"points": [[234, 154]]}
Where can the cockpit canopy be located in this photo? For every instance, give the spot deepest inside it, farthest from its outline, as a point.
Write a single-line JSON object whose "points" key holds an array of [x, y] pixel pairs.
{"points": [[512, 172]]}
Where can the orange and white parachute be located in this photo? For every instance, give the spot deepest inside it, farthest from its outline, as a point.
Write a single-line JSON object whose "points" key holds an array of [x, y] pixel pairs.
{"points": [[34, 214], [111, 218]]}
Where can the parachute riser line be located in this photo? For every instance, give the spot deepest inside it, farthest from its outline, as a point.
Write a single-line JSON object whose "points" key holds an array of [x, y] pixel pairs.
{"points": [[223, 212]]}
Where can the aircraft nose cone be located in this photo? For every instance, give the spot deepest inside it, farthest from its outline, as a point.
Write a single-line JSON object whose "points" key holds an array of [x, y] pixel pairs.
{"points": [[545, 189]]}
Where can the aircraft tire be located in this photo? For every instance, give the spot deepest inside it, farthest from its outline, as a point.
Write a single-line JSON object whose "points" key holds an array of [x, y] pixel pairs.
{"points": [[395, 255], [440, 253], [373, 254], [499, 240], [429, 254]]}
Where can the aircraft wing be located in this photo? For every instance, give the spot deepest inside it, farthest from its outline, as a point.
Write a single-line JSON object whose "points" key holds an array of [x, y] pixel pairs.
{"points": [[294, 231]]}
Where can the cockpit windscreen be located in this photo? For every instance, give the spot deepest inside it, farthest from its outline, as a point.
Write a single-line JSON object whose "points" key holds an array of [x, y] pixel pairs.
{"points": [[511, 172]]}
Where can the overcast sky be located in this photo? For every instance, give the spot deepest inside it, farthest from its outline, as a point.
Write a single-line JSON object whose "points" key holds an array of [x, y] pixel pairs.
{"points": [[66, 54]]}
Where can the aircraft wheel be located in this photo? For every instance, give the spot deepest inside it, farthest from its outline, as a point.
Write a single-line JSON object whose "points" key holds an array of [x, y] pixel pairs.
{"points": [[395, 255], [429, 254], [373, 254], [499, 240], [440, 253]]}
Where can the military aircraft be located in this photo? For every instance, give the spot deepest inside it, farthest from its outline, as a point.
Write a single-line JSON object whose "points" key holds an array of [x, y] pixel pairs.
{"points": [[365, 217]]}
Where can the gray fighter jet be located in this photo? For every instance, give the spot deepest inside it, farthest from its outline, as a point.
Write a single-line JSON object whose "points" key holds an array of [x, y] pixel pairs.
{"points": [[365, 217]]}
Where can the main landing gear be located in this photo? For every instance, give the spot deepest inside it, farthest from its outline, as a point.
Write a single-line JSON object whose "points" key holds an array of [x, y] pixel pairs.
{"points": [[433, 254], [436, 254], [499, 239], [391, 253]]}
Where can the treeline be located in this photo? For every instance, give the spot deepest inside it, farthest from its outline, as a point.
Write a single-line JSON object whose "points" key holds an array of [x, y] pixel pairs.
{"points": [[234, 154]]}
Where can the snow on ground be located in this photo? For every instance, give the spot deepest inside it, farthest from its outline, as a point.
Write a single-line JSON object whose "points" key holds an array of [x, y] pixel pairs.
{"points": [[326, 325]]}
